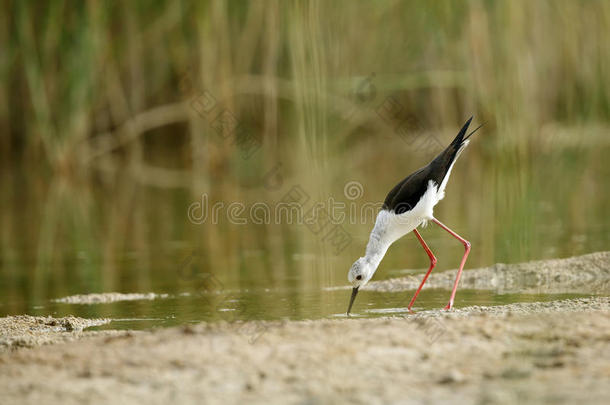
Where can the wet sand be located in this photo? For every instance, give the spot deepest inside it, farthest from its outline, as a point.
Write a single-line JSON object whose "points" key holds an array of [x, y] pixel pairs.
{"points": [[582, 274], [553, 352], [106, 298], [29, 331]]}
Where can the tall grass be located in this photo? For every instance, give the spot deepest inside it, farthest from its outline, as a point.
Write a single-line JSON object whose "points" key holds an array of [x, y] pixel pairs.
{"points": [[102, 149], [73, 72]]}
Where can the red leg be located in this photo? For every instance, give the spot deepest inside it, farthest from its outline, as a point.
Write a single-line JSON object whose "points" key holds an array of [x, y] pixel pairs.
{"points": [[432, 264], [467, 250]]}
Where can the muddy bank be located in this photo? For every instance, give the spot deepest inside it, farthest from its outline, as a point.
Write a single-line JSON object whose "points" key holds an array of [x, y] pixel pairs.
{"points": [[521, 353], [582, 274], [29, 331], [106, 298]]}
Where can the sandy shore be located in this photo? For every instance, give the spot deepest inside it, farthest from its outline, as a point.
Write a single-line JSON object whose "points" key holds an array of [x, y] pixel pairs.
{"points": [[554, 352], [581, 274], [531, 353]]}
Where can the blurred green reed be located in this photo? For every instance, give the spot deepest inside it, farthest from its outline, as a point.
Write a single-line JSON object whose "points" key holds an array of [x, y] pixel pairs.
{"points": [[74, 72], [102, 150]]}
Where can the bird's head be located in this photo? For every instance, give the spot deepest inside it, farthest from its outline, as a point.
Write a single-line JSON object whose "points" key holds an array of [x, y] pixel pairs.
{"points": [[359, 274]]}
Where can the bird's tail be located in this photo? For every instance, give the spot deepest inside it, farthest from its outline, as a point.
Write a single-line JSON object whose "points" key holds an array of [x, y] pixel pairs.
{"points": [[461, 136], [447, 157], [473, 131], [461, 140], [456, 147]]}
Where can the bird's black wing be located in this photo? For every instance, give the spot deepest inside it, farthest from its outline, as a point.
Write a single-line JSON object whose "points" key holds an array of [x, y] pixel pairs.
{"points": [[406, 194]]}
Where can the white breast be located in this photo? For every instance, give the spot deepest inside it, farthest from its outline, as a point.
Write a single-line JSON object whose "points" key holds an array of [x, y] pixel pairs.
{"points": [[389, 227]]}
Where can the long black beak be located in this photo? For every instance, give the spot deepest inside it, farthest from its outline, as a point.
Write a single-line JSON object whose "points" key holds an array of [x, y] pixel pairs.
{"points": [[351, 300]]}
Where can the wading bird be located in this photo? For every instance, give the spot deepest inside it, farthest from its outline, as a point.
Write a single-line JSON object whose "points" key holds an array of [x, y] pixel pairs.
{"points": [[407, 206]]}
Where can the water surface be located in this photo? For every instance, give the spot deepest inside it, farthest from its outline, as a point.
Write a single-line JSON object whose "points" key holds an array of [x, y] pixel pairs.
{"points": [[62, 236]]}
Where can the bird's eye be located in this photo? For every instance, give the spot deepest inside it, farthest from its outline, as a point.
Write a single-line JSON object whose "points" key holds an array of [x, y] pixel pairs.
{"points": [[358, 277]]}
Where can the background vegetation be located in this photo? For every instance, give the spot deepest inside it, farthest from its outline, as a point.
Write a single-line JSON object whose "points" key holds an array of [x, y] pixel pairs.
{"points": [[104, 145]]}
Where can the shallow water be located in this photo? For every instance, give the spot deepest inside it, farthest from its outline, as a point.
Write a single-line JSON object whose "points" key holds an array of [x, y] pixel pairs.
{"points": [[61, 237], [247, 306]]}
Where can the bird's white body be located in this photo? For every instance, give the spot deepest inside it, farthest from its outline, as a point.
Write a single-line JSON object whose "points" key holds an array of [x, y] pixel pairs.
{"points": [[394, 221], [389, 227]]}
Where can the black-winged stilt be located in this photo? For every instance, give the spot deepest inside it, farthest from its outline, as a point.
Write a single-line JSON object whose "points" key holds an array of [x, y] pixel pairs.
{"points": [[407, 206]]}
